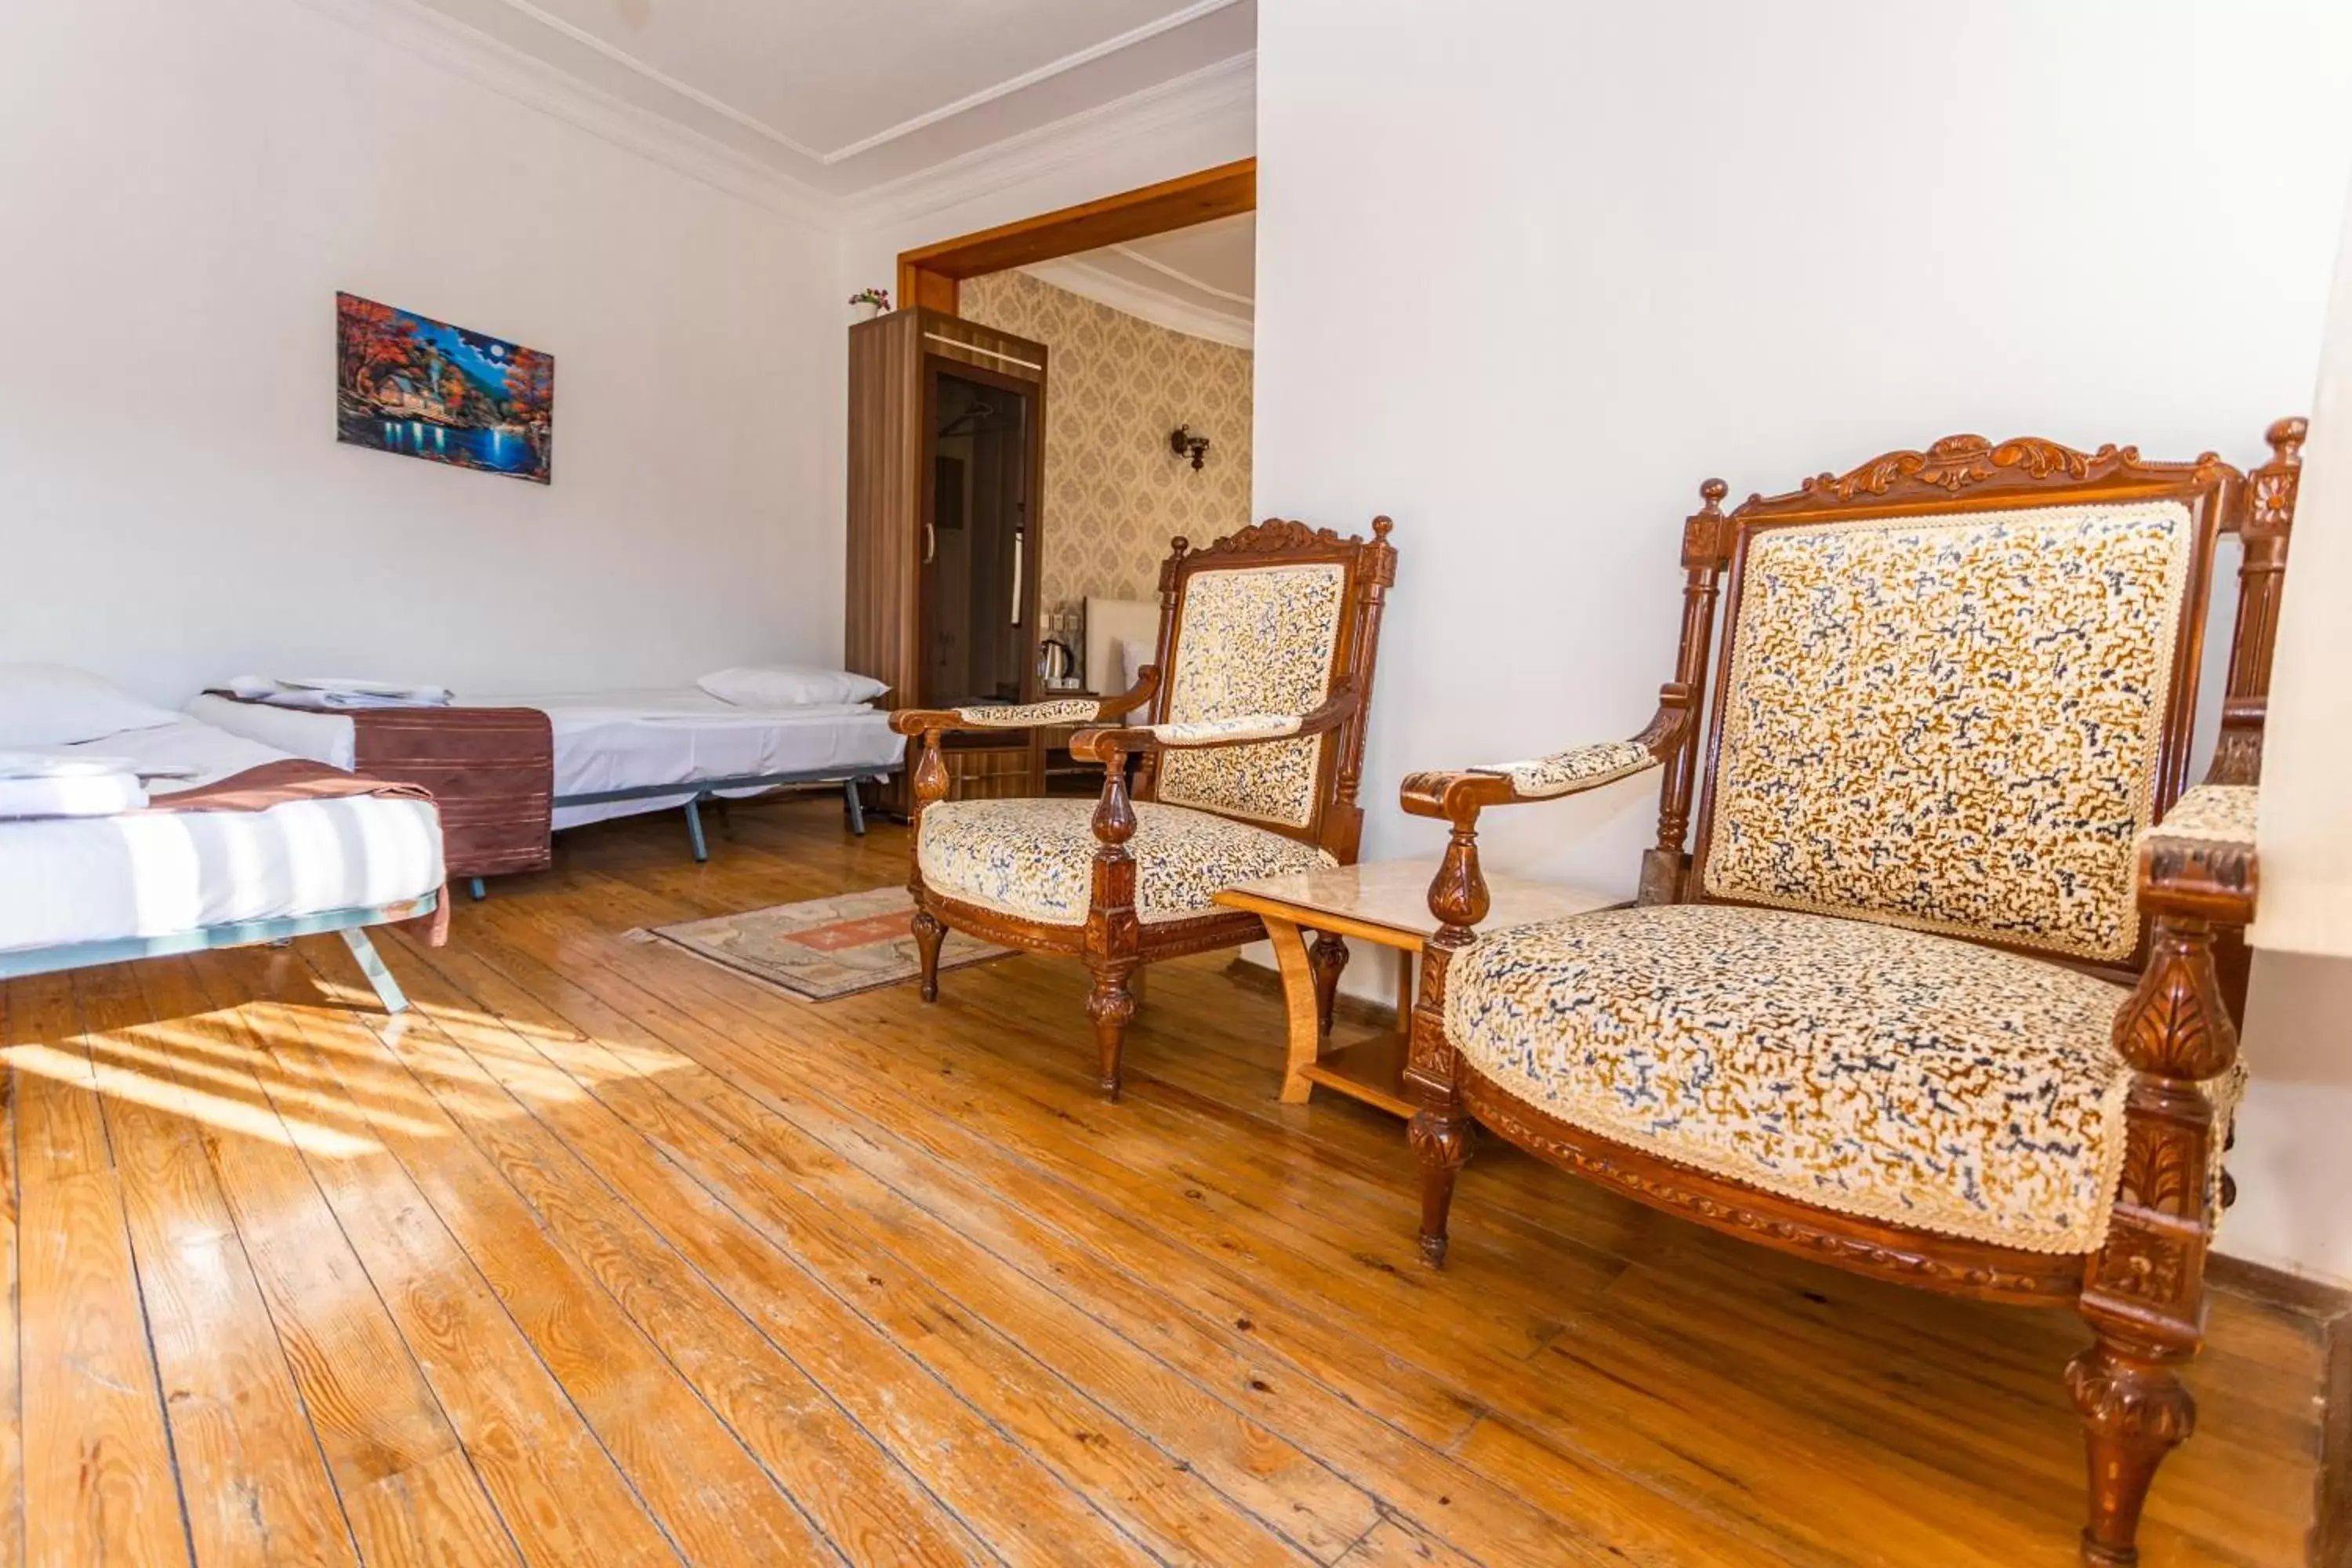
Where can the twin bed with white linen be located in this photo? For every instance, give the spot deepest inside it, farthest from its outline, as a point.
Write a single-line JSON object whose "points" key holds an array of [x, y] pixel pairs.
{"points": [[83, 889], [129, 831], [617, 753]]}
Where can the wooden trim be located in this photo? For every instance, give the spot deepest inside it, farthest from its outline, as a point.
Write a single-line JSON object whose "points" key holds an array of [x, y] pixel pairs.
{"points": [[2329, 1308], [1907, 1255], [927, 275], [2314, 1299], [2331, 1530]]}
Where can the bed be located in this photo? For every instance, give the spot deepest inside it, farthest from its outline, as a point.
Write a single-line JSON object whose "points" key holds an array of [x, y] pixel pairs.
{"points": [[78, 891], [621, 753]]}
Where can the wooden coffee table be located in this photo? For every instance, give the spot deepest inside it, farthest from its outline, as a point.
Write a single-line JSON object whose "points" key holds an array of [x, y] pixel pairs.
{"points": [[1385, 903]]}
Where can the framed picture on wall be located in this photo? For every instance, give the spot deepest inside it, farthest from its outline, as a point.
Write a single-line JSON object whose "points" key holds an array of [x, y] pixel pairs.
{"points": [[422, 389]]}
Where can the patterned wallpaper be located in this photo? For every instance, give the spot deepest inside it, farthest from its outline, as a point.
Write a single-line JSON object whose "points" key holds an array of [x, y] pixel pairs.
{"points": [[1116, 384]]}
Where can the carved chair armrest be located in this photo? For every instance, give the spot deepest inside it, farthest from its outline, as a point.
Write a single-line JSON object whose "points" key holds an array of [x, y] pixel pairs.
{"points": [[1244, 730], [1458, 896], [1450, 792], [930, 775], [2200, 863], [1023, 715]]}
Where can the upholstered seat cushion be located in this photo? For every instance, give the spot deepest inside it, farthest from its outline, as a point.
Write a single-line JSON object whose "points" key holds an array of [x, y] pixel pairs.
{"points": [[1883, 1072], [1036, 859]]}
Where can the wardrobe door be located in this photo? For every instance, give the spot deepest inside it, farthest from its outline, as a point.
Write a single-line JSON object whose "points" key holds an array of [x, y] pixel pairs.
{"points": [[880, 626], [947, 457], [978, 561]]}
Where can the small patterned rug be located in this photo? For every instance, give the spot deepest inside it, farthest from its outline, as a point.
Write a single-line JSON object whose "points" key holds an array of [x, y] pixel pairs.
{"points": [[824, 948]]}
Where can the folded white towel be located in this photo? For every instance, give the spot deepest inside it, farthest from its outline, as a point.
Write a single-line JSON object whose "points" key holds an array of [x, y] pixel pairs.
{"points": [[334, 693], [78, 794]]}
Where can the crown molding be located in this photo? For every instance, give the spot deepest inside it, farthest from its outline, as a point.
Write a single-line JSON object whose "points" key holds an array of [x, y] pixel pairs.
{"points": [[515, 75], [1186, 279], [1028, 78], [1161, 309], [692, 94], [1197, 96]]}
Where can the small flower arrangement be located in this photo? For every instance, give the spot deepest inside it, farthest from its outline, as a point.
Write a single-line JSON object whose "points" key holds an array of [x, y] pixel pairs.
{"points": [[878, 299]]}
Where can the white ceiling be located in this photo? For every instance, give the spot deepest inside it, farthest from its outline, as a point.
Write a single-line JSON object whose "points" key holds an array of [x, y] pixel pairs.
{"points": [[848, 95], [1201, 280]]}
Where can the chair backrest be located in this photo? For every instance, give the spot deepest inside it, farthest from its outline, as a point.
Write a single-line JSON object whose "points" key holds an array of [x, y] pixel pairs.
{"points": [[1954, 685], [1272, 619]]}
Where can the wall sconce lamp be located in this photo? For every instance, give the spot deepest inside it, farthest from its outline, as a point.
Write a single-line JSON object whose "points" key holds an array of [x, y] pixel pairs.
{"points": [[1185, 443]]}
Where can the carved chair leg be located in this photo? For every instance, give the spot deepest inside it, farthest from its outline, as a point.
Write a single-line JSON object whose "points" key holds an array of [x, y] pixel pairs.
{"points": [[1442, 1141], [1111, 1006], [1440, 1129], [1328, 956], [2135, 1412], [929, 934]]}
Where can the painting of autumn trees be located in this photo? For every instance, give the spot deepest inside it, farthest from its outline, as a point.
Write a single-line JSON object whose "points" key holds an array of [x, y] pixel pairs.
{"points": [[423, 388]]}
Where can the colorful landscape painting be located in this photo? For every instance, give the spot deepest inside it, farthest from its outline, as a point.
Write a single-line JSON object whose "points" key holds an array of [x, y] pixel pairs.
{"points": [[423, 388]]}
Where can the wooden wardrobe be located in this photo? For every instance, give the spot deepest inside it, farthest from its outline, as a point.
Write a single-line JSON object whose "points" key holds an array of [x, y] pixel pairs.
{"points": [[947, 454]]}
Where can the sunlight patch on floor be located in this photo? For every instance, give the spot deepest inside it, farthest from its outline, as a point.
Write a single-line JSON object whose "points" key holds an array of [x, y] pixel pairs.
{"points": [[178, 1100], [182, 1063]]}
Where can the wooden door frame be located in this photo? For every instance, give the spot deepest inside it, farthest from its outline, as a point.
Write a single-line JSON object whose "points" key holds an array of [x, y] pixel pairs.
{"points": [[928, 276]]}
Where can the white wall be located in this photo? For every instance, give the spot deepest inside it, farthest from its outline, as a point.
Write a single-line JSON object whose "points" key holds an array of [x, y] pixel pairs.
{"points": [[184, 187], [1528, 272]]}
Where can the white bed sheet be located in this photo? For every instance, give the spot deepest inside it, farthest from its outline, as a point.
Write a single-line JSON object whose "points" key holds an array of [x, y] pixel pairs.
{"points": [[626, 740], [635, 740], [66, 881], [326, 738]]}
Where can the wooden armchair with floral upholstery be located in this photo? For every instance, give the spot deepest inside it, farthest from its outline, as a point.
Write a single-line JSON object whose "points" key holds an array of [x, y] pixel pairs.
{"points": [[1250, 756], [1947, 993]]}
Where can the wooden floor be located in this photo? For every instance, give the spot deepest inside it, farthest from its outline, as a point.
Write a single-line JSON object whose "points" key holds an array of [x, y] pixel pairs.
{"points": [[602, 1255]]}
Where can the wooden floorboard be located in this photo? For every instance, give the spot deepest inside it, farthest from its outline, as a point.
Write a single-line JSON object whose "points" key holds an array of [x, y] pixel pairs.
{"points": [[604, 1255]]}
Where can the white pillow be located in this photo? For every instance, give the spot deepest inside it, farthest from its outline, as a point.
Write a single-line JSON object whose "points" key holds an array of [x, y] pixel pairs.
{"points": [[789, 686], [51, 705]]}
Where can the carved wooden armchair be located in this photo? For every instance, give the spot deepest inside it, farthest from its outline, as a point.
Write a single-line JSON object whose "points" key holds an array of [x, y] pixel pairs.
{"points": [[1251, 752], [1947, 993]]}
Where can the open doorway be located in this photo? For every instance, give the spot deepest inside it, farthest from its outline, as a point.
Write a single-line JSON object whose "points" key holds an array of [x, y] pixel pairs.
{"points": [[1066, 394], [1145, 303]]}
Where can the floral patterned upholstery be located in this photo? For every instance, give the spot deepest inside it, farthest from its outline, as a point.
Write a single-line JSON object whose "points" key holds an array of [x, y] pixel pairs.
{"points": [[2212, 814], [1951, 723], [1020, 716], [1254, 640], [1886, 1073], [1240, 727], [1036, 859], [1577, 767]]}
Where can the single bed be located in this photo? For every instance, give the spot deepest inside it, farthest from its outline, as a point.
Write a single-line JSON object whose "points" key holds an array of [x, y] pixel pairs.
{"points": [[78, 891], [621, 753]]}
